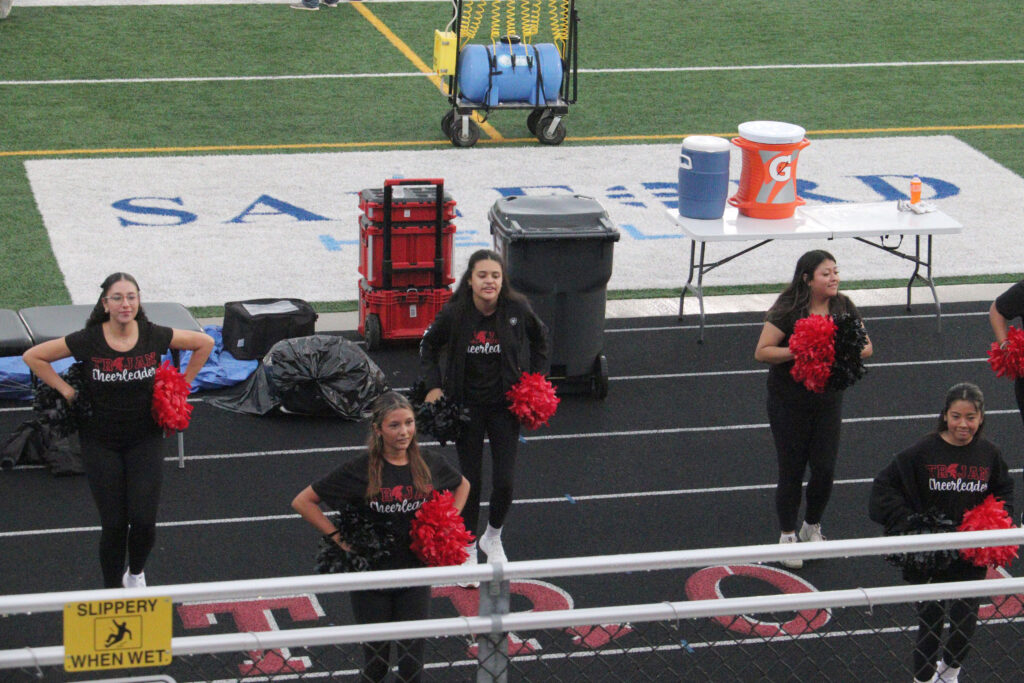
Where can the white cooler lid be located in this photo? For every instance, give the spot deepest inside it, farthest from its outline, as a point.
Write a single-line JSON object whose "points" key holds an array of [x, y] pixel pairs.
{"points": [[771, 132], [706, 143]]}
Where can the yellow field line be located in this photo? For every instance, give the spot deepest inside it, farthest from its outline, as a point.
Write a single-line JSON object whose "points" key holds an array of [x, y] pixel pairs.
{"points": [[360, 7], [434, 143]]}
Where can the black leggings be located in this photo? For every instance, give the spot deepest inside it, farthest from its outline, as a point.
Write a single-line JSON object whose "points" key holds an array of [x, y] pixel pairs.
{"points": [[963, 619], [125, 483], [806, 433], [502, 428], [402, 604], [1018, 390]]}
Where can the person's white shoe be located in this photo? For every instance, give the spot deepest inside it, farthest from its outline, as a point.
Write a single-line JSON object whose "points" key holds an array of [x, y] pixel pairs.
{"points": [[793, 563], [811, 533], [944, 673], [5, 8], [130, 580], [470, 561], [491, 545]]}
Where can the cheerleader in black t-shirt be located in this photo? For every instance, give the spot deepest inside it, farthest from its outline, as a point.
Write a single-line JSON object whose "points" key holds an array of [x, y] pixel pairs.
{"points": [[1006, 307], [805, 425], [121, 443], [948, 472], [489, 336], [393, 479]]}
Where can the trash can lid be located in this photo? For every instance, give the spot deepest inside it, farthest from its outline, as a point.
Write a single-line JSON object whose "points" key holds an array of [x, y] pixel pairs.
{"points": [[551, 217], [706, 143], [771, 132]]}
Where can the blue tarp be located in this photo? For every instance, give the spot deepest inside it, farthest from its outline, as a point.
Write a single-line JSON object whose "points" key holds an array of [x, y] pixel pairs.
{"points": [[221, 370]]}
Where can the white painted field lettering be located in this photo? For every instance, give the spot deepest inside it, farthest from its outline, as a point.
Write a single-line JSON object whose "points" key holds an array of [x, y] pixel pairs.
{"points": [[117, 634]]}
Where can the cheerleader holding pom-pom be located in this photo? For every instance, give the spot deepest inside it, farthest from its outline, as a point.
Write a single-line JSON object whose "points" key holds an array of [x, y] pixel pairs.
{"points": [[378, 495], [1007, 354], [110, 401], [814, 341], [486, 337], [952, 479]]}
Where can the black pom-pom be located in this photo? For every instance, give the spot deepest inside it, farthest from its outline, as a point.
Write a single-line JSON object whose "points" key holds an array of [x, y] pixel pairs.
{"points": [[417, 392], [850, 340], [369, 535], [444, 419], [65, 419], [920, 566]]}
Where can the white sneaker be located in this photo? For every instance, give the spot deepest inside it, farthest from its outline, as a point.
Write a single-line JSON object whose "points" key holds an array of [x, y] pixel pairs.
{"points": [[792, 563], [5, 8], [302, 5], [811, 533], [130, 580], [944, 673], [491, 545], [470, 561]]}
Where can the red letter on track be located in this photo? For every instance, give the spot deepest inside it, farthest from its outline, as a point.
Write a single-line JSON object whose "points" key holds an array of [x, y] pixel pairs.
{"points": [[706, 585], [254, 616]]}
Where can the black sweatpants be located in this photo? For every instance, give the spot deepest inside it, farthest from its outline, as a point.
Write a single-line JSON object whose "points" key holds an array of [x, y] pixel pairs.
{"points": [[963, 620], [400, 604], [806, 433], [502, 429], [125, 483]]}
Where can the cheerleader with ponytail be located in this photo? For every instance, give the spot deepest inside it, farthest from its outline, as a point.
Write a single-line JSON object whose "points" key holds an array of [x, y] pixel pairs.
{"points": [[952, 479]]}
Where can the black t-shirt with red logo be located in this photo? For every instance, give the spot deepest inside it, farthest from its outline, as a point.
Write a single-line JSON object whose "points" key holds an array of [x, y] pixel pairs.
{"points": [[483, 364], [120, 383], [397, 497]]}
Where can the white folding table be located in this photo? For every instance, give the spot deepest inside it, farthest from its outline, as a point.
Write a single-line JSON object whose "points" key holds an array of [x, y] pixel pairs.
{"points": [[878, 224]]}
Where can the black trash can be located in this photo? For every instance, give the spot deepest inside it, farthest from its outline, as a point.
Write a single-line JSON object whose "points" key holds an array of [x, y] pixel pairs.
{"points": [[558, 249]]}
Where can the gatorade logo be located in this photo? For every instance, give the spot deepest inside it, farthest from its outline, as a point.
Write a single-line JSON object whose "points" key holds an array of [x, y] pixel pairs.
{"points": [[780, 168]]}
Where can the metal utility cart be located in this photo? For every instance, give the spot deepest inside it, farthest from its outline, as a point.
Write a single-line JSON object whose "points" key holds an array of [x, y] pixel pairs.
{"points": [[512, 70]]}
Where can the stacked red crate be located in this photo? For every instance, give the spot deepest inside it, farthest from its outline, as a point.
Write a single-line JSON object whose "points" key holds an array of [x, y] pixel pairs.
{"points": [[406, 244]]}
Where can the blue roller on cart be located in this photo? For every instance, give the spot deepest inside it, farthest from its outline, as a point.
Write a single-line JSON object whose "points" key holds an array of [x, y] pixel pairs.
{"points": [[558, 249]]}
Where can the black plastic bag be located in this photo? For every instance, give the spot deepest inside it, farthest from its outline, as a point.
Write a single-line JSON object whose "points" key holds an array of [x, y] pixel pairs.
{"points": [[37, 442], [316, 375]]}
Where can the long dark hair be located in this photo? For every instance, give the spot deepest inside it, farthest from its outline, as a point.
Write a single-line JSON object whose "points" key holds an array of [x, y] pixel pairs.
{"points": [[98, 316], [384, 404], [796, 297], [462, 299], [964, 391]]}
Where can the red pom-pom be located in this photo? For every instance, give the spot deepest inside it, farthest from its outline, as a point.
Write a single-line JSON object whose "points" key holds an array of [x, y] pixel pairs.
{"points": [[1008, 360], [532, 400], [439, 536], [813, 346], [171, 408], [989, 514]]}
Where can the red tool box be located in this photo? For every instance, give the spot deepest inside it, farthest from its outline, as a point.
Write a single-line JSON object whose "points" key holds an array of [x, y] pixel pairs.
{"points": [[412, 253], [405, 258]]}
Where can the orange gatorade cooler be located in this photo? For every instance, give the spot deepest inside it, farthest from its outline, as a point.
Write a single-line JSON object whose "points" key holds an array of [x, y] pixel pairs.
{"points": [[768, 177]]}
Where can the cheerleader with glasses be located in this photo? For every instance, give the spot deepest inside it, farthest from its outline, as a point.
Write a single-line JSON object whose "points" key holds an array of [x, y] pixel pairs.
{"points": [[121, 443]]}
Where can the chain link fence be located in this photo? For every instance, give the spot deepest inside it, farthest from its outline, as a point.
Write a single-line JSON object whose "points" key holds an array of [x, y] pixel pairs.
{"points": [[843, 635]]}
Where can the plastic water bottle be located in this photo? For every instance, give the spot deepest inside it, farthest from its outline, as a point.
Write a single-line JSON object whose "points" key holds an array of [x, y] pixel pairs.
{"points": [[915, 190]]}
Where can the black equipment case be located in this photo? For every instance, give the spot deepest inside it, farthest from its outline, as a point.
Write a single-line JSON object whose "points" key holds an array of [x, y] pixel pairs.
{"points": [[252, 327]]}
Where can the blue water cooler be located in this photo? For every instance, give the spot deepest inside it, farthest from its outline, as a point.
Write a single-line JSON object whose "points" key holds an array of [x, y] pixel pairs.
{"points": [[703, 176]]}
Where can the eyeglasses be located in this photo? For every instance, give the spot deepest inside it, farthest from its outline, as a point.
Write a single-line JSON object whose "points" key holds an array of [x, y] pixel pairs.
{"points": [[119, 298]]}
